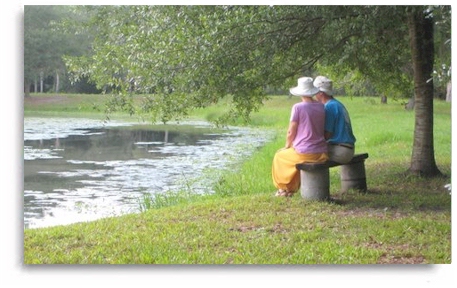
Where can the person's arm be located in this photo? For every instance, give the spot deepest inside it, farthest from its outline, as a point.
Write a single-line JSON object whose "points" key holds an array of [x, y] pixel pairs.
{"points": [[327, 135], [291, 133], [330, 120]]}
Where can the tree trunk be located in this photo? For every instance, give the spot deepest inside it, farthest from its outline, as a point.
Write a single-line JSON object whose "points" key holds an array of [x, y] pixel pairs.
{"points": [[41, 82], [422, 49], [410, 104], [26, 88], [57, 88]]}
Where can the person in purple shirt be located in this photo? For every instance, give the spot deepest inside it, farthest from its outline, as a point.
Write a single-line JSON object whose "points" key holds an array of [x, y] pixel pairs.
{"points": [[305, 140]]}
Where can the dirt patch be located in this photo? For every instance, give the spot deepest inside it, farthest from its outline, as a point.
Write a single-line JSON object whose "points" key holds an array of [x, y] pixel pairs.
{"points": [[393, 254], [372, 212], [46, 99], [389, 259]]}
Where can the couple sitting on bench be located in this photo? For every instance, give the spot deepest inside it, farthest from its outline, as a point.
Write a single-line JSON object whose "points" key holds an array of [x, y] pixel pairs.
{"points": [[319, 130]]}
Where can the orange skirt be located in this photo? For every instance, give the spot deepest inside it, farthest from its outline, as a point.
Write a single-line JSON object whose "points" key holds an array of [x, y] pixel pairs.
{"points": [[285, 174]]}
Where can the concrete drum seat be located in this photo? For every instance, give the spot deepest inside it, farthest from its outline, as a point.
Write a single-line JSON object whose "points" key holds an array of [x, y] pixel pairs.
{"points": [[315, 177]]}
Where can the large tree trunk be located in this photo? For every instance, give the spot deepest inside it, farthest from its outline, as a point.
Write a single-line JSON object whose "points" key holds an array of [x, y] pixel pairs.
{"points": [[422, 49]]}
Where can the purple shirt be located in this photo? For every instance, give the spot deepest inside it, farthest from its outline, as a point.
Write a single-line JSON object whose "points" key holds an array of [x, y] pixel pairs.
{"points": [[310, 131]]}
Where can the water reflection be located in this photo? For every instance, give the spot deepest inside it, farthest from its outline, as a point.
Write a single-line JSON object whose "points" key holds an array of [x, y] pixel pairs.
{"points": [[82, 170]]}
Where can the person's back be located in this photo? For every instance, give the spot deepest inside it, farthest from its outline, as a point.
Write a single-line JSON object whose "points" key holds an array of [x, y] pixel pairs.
{"points": [[338, 128], [310, 117], [338, 123]]}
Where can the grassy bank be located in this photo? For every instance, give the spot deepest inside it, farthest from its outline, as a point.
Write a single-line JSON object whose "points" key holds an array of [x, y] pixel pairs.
{"points": [[401, 219]]}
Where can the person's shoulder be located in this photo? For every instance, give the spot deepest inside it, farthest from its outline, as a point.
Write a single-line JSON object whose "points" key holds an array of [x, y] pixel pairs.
{"points": [[331, 102], [335, 102], [312, 104], [319, 104]]}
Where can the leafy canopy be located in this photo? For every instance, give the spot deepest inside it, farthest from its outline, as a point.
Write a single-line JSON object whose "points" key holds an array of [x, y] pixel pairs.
{"points": [[185, 57]]}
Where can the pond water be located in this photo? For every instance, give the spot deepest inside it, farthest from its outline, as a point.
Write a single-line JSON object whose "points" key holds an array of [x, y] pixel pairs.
{"points": [[81, 169]]}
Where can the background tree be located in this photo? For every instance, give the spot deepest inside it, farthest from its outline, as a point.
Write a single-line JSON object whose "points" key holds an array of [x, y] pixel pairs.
{"points": [[442, 44], [38, 41], [420, 25], [193, 56], [44, 46]]}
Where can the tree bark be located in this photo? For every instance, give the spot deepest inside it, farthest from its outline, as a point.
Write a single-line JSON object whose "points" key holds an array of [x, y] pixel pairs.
{"points": [[449, 92], [41, 82], [26, 88], [57, 87], [422, 51]]}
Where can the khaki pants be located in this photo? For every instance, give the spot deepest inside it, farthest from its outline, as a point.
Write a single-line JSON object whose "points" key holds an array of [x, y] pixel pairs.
{"points": [[284, 173], [340, 154]]}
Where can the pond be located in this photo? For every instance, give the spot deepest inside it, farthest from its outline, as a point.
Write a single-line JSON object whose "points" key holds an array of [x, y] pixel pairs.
{"points": [[79, 170]]}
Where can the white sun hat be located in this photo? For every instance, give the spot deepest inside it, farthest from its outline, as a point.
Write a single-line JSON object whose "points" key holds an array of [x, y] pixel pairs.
{"points": [[305, 87], [324, 84]]}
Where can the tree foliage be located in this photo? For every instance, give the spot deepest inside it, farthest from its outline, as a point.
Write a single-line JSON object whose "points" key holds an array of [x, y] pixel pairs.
{"points": [[442, 37], [44, 44], [39, 43], [192, 56]]}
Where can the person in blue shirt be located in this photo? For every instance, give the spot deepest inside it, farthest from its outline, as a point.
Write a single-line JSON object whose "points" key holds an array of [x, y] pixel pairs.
{"points": [[338, 129]]}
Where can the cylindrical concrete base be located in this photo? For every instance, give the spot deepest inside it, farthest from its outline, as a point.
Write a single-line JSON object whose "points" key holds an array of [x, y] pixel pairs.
{"points": [[353, 177], [315, 184]]}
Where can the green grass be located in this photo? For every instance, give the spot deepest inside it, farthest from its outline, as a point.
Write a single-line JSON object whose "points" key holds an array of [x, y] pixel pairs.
{"points": [[401, 219]]}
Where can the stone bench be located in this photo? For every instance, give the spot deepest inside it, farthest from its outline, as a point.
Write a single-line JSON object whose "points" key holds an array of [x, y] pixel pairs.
{"points": [[315, 177]]}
